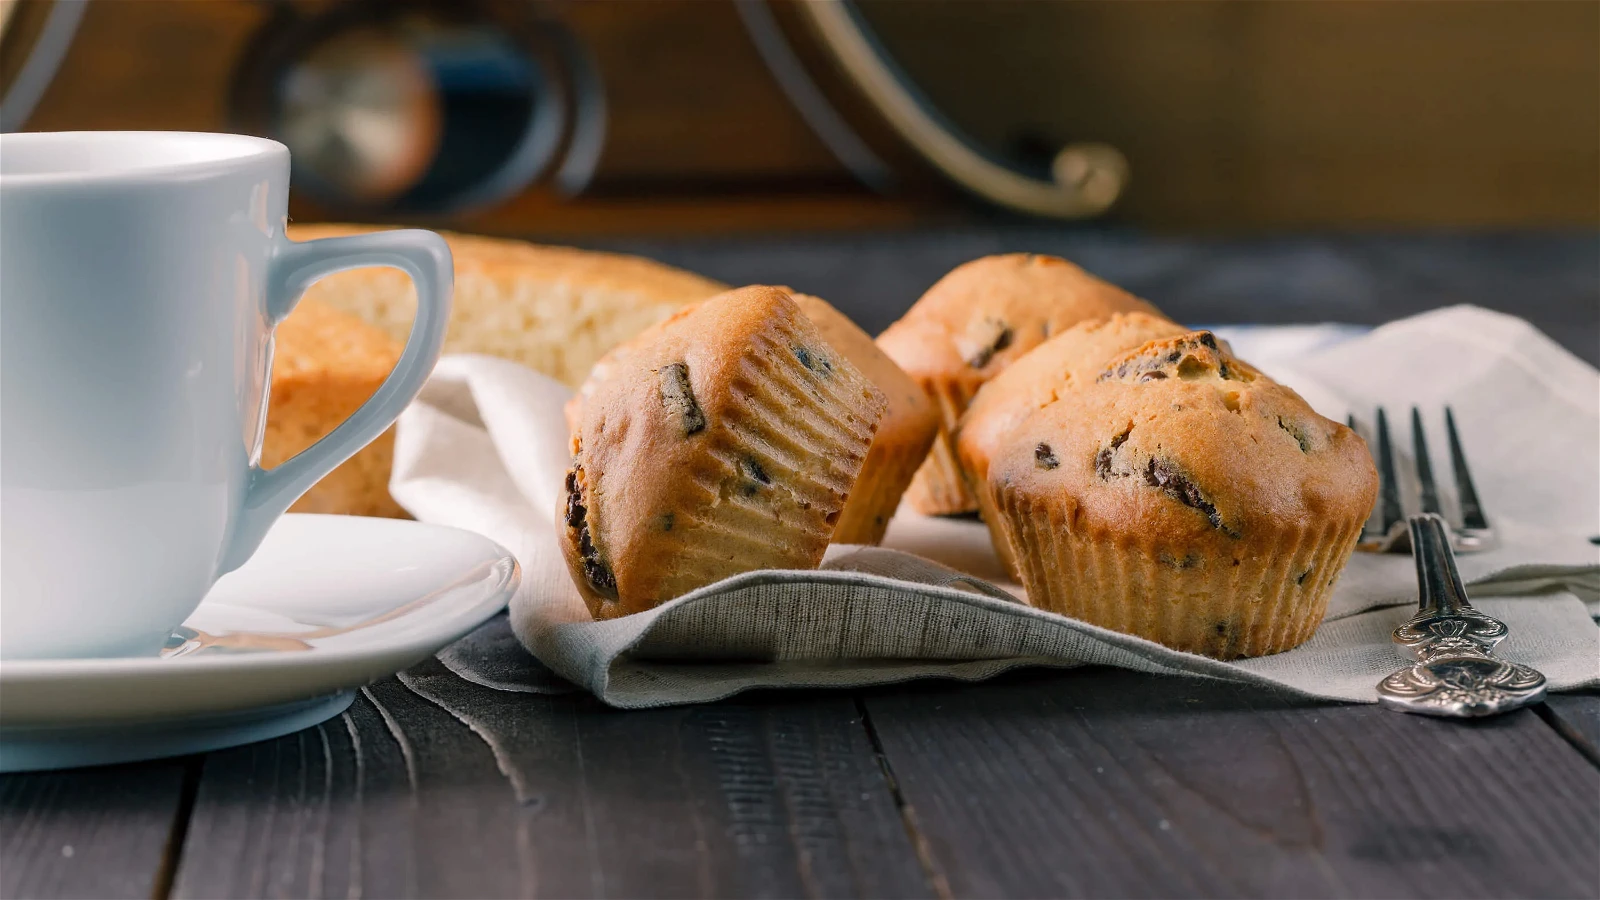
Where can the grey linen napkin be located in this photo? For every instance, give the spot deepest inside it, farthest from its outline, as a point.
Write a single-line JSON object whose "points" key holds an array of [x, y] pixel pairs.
{"points": [[485, 448]]}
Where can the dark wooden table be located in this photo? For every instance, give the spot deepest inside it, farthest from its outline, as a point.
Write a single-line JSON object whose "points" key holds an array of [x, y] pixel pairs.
{"points": [[1089, 782]]}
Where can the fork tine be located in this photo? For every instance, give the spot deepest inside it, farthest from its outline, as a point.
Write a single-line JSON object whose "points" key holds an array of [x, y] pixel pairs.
{"points": [[1419, 447], [1471, 510], [1388, 485]]}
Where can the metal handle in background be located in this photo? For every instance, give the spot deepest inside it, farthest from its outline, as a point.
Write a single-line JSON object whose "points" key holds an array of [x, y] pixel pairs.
{"points": [[1456, 673], [426, 258], [1086, 178], [43, 59]]}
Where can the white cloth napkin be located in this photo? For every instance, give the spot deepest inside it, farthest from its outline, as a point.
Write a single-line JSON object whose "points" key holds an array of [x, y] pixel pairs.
{"points": [[485, 448]]}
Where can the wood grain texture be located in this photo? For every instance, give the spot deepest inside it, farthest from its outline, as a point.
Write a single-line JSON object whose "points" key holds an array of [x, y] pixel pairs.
{"points": [[432, 786], [157, 64], [83, 833], [1577, 718], [1105, 783]]}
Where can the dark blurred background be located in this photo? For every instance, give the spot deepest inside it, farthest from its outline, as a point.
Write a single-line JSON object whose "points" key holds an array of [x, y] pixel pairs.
{"points": [[690, 116], [1232, 160]]}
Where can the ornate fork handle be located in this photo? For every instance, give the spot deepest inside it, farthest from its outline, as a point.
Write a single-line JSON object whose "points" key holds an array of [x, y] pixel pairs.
{"points": [[1456, 673]]}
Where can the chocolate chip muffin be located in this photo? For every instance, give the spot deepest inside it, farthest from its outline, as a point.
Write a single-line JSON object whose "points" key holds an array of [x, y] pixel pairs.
{"points": [[969, 327], [1184, 498], [728, 443], [1067, 361], [907, 429]]}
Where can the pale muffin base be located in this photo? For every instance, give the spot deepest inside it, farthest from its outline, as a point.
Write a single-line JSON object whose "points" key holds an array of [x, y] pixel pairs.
{"points": [[1253, 601]]}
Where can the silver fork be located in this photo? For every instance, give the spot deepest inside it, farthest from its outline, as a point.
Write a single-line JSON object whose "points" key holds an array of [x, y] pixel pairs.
{"points": [[1389, 532], [1456, 673]]}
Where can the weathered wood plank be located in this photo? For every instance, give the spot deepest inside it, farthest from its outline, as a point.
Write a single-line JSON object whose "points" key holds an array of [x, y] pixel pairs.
{"points": [[99, 832], [1577, 718], [434, 786], [1106, 783], [304, 815]]}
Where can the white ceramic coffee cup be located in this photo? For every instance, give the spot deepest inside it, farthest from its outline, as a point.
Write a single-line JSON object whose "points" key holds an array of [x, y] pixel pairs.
{"points": [[141, 277]]}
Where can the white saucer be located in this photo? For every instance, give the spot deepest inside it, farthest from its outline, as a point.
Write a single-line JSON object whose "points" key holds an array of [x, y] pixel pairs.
{"points": [[329, 603]]}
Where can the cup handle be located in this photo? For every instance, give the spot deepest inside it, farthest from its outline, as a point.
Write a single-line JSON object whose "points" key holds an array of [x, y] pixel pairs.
{"points": [[426, 258]]}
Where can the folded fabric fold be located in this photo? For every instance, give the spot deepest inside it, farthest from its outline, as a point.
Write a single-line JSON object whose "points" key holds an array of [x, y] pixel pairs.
{"points": [[485, 448]]}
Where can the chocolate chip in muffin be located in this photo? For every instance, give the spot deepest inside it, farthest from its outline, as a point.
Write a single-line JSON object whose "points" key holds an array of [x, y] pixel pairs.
{"points": [[1045, 458], [814, 361], [1296, 432], [755, 477], [598, 575], [1190, 357], [1104, 459], [677, 398], [575, 508], [753, 471], [987, 338], [595, 571], [1159, 473], [1187, 561]]}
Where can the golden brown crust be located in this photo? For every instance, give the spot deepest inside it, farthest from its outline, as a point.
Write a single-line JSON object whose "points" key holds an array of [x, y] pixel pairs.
{"points": [[611, 360], [325, 365], [970, 326], [1186, 498], [1070, 360], [727, 443], [554, 309]]}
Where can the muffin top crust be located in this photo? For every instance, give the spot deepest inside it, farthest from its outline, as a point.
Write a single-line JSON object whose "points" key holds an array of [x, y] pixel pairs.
{"points": [[1180, 440]]}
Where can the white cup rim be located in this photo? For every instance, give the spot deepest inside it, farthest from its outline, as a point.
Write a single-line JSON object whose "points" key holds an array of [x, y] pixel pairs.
{"points": [[214, 152]]}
